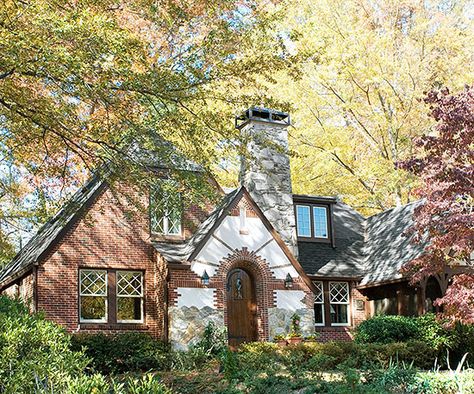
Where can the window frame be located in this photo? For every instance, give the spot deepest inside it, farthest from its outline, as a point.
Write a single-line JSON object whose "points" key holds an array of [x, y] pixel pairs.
{"points": [[297, 221], [106, 296], [320, 303], [348, 303], [142, 297], [312, 237], [165, 218], [326, 209]]}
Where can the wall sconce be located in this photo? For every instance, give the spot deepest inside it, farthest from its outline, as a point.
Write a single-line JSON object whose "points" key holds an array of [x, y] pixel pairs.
{"points": [[288, 281], [205, 278]]}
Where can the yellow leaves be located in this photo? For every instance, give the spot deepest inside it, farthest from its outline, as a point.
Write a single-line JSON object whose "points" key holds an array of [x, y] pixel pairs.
{"points": [[357, 107]]}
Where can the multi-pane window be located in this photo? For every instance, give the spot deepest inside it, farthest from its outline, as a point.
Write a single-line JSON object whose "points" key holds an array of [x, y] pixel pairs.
{"points": [[303, 221], [312, 221], [339, 303], [165, 208], [93, 296], [320, 220], [319, 304], [129, 296]]}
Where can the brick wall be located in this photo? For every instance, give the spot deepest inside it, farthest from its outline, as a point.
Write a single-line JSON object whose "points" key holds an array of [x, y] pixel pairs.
{"points": [[111, 235], [23, 289]]}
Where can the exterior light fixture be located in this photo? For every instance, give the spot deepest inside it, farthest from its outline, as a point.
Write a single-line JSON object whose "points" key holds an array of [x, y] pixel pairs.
{"points": [[205, 278], [288, 281]]}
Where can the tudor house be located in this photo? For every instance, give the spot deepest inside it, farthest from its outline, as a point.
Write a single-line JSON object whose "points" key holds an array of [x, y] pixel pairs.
{"points": [[249, 263]]}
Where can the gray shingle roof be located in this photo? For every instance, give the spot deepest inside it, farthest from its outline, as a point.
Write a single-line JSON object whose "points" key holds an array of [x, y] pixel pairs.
{"points": [[372, 249], [346, 259], [387, 248], [49, 232]]}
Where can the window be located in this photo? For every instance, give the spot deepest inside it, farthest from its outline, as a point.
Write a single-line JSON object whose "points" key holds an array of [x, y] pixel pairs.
{"points": [[312, 221], [339, 303], [129, 296], [110, 296], [319, 304], [165, 209], [303, 221], [93, 296], [320, 220]]}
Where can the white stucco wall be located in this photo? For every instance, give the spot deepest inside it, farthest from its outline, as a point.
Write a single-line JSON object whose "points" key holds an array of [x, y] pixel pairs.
{"points": [[200, 298], [228, 238], [291, 300]]}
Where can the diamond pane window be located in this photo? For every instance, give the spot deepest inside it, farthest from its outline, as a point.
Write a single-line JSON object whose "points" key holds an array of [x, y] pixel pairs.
{"points": [[165, 209], [129, 296], [93, 296], [303, 221], [319, 304], [339, 299], [320, 222]]}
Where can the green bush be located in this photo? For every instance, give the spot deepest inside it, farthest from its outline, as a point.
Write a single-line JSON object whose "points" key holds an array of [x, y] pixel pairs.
{"points": [[126, 352], [386, 329], [257, 357], [212, 344], [99, 384], [35, 353]]}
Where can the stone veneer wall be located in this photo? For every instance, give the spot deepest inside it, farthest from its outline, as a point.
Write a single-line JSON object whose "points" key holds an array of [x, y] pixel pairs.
{"points": [[265, 173], [287, 303]]}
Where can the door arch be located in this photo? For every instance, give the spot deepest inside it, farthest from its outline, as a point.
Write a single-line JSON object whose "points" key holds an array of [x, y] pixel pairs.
{"points": [[241, 307]]}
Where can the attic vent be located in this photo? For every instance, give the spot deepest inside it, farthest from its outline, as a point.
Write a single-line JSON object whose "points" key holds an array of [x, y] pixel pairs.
{"points": [[262, 115]]}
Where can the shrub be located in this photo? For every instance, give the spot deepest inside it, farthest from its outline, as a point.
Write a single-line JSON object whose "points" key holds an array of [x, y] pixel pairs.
{"points": [[35, 353], [126, 352], [386, 329], [212, 344], [257, 357], [99, 384]]}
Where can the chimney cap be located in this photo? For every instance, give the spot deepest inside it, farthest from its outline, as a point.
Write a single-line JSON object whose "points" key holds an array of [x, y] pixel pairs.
{"points": [[262, 115]]}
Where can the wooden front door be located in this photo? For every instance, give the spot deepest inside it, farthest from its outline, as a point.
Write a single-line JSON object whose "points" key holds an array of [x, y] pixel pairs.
{"points": [[241, 308]]}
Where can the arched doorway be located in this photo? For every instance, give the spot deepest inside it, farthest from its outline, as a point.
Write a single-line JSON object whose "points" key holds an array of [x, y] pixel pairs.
{"points": [[241, 307]]}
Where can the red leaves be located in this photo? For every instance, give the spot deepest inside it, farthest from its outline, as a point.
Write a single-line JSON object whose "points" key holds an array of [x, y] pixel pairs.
{"points": [[446, 168]]}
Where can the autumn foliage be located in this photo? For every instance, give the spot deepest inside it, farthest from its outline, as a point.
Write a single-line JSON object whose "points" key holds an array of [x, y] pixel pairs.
{"points": [[445, 220]]}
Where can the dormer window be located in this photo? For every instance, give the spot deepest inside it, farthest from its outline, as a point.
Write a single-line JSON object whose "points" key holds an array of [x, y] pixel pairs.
{"points": [[312, 221], [313, 218], [165, 208]]}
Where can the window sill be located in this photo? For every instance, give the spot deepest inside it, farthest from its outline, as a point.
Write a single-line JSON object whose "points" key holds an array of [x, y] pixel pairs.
{"points": [[317, 240], [114, 326], [167, 238], [331, 328]]}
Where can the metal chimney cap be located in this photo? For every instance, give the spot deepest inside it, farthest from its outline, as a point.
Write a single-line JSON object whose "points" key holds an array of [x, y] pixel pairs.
{"points": [[261, 114]]}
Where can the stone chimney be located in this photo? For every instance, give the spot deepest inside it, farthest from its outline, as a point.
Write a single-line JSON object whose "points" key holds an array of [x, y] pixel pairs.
{"points": [[265, 168]]}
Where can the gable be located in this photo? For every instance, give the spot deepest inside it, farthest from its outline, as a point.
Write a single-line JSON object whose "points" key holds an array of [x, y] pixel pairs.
{"points": [[257, 236]]}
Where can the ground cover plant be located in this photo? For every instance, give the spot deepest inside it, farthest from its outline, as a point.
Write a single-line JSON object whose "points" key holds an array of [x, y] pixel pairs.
{"points": [[38, 356]]}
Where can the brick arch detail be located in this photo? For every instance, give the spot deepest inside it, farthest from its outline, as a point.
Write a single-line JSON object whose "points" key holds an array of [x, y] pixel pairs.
{"points": [[262, 278]]}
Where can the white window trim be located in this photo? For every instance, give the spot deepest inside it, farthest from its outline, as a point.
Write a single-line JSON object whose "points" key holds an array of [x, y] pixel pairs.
{"points": [[105, 319], [310, 222], [321, 303], [314, 222], [165, 217], [129, 296], [166, 227], [348, 303]]}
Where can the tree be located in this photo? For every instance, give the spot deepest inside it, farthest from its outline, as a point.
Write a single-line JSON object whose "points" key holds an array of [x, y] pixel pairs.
{"points": [[84, 83], [360, 70], [445, 219]]}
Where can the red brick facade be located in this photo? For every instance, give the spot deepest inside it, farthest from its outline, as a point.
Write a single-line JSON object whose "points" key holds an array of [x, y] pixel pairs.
{"points": [[111, 235]]}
